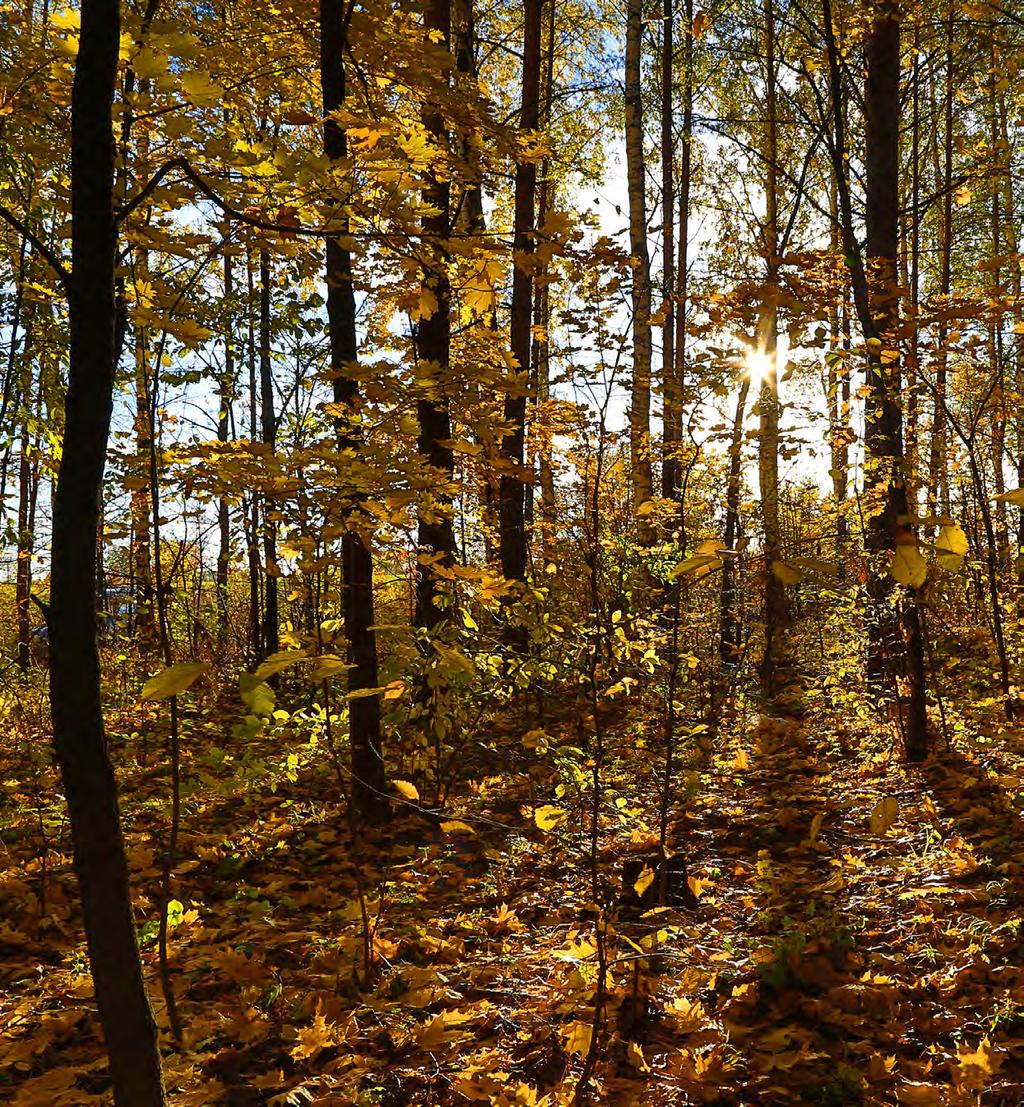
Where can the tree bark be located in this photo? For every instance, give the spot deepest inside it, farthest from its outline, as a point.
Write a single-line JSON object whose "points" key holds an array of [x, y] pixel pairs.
{"points": [[672, 430], [774, 599], [730, 637], [369, 780], [435, 533], [938, 463], [227, 392], [640, 398], [513, 488], [883, 426], [75, 696], [268, 429]]}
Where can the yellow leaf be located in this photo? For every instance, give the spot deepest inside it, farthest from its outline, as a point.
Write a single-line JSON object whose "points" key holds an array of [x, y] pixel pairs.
{"points": [[406, 789], [700, 564], [636, 1058], [812, 834], [698, 886], [578, 1038], [643, 881], [913, 1094], [441, 1030], [66, 19], [547, 817], [328, 665], [313, 1038], [278, 661], [457, 826], [174, 679], [908, 565], [786, 573], [479, 294], [963, 196], [983, 1058], [884, 814], [951, 546], [741, 760], [686, 1013], [201, 90], [425, 306], [394, 689]]}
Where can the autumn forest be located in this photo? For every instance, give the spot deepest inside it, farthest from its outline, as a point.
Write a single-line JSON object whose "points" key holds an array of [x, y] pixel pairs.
{"points": [[511, 553]]}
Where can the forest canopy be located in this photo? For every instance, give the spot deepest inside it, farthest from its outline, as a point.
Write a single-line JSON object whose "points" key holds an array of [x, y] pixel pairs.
{"points": [[511, 552]]}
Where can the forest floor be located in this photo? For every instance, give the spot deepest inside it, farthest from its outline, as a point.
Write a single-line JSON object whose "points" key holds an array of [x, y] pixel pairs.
{"points": [[857, 939]]}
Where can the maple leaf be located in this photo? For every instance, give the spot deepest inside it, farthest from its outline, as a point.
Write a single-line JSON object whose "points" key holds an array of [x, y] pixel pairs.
{"points": [[316, 1037], [578, 1038], [984, 1058]]}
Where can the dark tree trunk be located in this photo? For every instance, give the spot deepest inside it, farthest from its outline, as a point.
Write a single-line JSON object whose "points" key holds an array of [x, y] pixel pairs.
{"points": [[730, 638], [675, 396], [775, 605], [75, 697], [268, 427], [368, 776], [883, 429], [28, 484], [672, 431], [938, 467], [227, 392], [251, 513], [436, 538], [513, 490], [640, 280]]}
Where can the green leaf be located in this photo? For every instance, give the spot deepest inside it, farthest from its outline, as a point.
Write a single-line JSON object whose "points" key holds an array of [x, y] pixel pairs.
{"points": [[256, 695], [174, 679], [278, 661], [327, 665], [455, 659]]}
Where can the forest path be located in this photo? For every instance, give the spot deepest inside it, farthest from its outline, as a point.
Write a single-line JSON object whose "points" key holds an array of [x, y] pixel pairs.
{"points": [[868, 917]]}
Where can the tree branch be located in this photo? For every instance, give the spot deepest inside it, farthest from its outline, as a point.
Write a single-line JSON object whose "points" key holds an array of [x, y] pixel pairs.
{"points": [[39, 246]]}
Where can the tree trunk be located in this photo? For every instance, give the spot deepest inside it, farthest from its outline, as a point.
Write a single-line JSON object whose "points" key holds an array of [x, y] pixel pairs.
{"points": [[227, 392], [885, 486], [672, 430], [513, 490], [671, 486], [774, 600], [730, 639], [141, 552], [938, 466], [28, 484], [435, 534], [542, 343], [369, 781], [268, 428], [251, 515], [79, 736], [640, 399]]}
